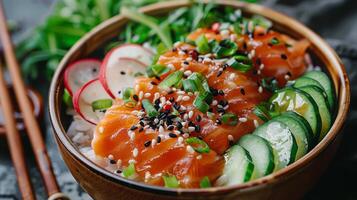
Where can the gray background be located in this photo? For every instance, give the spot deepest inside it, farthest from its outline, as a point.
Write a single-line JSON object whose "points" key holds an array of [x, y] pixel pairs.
{"points": [[335, 20]]}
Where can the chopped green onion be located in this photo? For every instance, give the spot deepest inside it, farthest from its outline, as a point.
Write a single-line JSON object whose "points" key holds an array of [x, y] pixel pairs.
{"points": [[171, 80], [262, 21], [270, 84], [160, 49], [156, 70], [206, 96], [127, 97], [67, 99], [225, 48], [229, 119], [137, 74], [237, 28], [198, 145], [129, 171], [170, 181], [189, 85], [205, 182], [102, 104], [241, 63], [201, 105], [202, 45], [149, 108], [200, 81], [274, 41]]}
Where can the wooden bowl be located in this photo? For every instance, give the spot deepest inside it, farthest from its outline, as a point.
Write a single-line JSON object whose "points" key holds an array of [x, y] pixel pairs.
{"points": [[291, 182]]}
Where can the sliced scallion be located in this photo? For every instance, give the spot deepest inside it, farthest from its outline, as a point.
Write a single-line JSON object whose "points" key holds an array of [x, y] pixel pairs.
{"points": [[274, 41], [129, 171], [205, 182], [189, 85], [200, 81], [202, 101], [198, 145], [202, 45], [102, 104], [241, 63], [225, 48], [67, 99], [149, 108], [156, 70], [229, 119], [128, 97], [170, 181], [171, 80]]}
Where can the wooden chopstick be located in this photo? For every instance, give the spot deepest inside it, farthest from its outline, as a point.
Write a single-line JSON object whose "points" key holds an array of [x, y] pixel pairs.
{"points": [[14, 142], [32, 127]]}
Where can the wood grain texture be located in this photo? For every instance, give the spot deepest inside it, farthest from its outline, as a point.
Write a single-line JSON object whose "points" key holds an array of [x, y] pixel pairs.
{"points": [[32, 127], [291, 182]]}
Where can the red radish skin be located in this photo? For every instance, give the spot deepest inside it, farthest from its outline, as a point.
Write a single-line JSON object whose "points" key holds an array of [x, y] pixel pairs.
{"points": [[79, 94], [103, 74], [71, 67]]}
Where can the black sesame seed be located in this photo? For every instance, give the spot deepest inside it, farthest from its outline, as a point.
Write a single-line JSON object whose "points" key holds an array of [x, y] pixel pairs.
{"points": [[213, 91], [174, 49], [118, 171], [258, 61], [197, 128], [171, 99], [220, 92], [176, 106], [170, 92], [141, 129], [223, 102], [147, 143], [225, 66], [179, 125], [170, 128], [288, 73], [242, 91], [218, 121], [186, 63], [153, 83], [210, 110], [220, 110], [158, 139], [157, 78], [200, 137], [94, 70], [284, 56], [119, 92], [133, 128], [112, 161], [141, 123], [122, 73], [172, 135], [135, 97], [190, 123], [245, 45], [198, 118], [219, 73], [171, 117], [231, 143], [157, 102]]}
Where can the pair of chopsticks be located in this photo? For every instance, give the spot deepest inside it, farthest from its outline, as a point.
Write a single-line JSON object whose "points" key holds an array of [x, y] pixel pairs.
{"points": [[32, 127]]}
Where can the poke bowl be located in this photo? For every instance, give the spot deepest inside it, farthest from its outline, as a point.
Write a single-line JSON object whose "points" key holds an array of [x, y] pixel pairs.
{"points": [[245, 103]]}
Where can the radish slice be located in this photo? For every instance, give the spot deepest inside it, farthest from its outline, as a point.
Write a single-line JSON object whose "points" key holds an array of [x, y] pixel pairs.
{"points": [[79, 73], [134, 51], [116, 74], [82, 101]]}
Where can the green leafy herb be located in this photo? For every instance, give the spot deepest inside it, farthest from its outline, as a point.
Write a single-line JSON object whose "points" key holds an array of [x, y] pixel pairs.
{"points": [[205, 182], [229, 119], [67, 99], [170, 181], [102, 104], [241, 63], [171, 80], [198, 145], [128, 97], [156, 70], [225, 48], [270, 84], [274, 41], [202, 45], [129, 171], [149, 108]]}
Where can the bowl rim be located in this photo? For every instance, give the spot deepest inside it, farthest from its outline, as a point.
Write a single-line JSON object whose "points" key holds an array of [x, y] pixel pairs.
{"points": [[340, 79]]}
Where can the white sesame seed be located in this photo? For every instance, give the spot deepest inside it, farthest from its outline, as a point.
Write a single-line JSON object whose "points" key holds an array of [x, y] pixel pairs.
{"points": [[147, 95], [101, 129], [147, 175], [161, 129], [185, 116], [256, 124], [199, 157], [186, 135], [191, 129], [196, 93], [189, 59], [177, 132], [206, 59], [141, 93], [119, 162], [187, 72], [189, 149], [110, 157], [189, 93], [259, 72], [183, 124], [214, 102], [243, 119], [183, 108], [153, 142], [180, 92], [260, 89], [226, 107], [186, 98], [230, 137], [156, 120], [224, 33], [131, 135], [232, 76], [261, 66], [156, 95], [180, 140], [132, 161], [137, 87], [233, 37], [135, 152], [287, 77], [171, 66], [179, 98], [177, 44], [162, 100], [190, 114]]}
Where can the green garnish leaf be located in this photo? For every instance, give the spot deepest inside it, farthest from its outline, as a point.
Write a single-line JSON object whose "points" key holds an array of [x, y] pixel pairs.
{"points": [[171, 80], [205, 182], [274, 41], [170, 181], [102, 104], [270, 84], [198, 145], [128, 97], [149, 108], [129, 171], [262, 112], [225, 48], [229, 119], [67, 99], [189, 85], [156, 70], [202, 44], [262, 21]]}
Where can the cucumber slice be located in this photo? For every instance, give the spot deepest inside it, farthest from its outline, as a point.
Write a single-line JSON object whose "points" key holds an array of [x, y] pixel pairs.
{"points": [[299, 132], [261, 152], [238, 168], [293, 99], [327, 85], [281, 139], [322, 104], [306, 81]]}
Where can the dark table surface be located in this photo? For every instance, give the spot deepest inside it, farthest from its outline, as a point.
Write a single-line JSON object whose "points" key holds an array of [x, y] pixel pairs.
{"points": [[334, 20]]}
